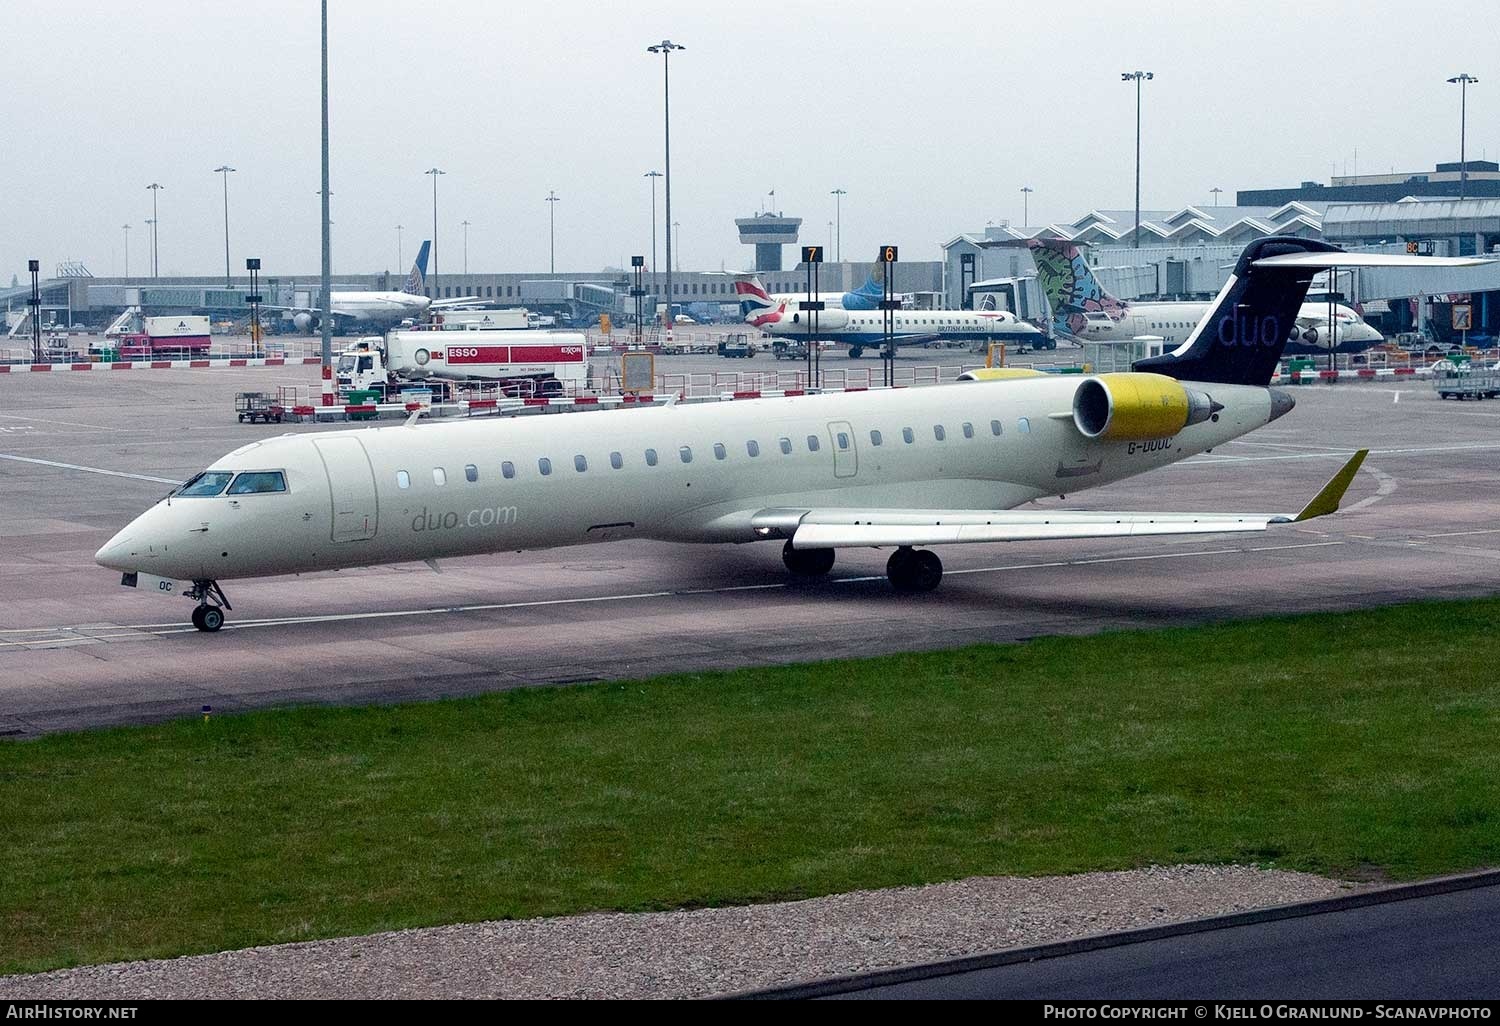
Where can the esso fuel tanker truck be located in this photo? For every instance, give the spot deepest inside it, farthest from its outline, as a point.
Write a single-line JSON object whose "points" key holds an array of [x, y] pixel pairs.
{"points": [[518, 362]]}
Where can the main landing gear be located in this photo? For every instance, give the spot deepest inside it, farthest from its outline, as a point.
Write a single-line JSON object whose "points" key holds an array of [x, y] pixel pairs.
{"points": [[807, 562], [914, 570], [209, 614]]}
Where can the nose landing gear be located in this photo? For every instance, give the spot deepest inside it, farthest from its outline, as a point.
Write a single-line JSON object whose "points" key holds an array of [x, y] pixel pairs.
{"points": [[914, 570], [209, 614]]}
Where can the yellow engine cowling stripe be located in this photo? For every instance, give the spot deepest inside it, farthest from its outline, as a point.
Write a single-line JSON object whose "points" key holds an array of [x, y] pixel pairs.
{"points": [[1144, 406]]}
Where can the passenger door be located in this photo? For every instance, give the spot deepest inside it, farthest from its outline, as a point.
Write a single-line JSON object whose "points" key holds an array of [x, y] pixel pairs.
{"points": [[845, 454], [351, 481]]}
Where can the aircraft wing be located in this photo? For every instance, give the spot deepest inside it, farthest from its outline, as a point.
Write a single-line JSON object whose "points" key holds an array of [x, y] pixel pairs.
{"points": [[838, 528]]}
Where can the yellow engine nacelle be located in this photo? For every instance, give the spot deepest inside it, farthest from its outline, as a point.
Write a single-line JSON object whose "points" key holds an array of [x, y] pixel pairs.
{"points": [[1000, 374], [1137, 407]]}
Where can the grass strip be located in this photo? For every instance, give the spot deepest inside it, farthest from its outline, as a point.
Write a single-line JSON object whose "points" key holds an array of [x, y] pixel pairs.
{"points": [[1342, 744]]}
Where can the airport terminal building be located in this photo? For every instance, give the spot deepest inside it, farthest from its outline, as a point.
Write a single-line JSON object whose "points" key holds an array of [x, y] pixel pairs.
{"points": [[1180, 253]]}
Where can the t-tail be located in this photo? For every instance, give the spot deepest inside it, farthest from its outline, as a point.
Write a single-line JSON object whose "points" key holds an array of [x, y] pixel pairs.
{"points": [[1240, 339], [416, 281], [756, 305], [1072, 290]]}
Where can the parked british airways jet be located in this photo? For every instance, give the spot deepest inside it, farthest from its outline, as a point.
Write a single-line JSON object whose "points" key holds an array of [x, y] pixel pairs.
{"points": [[863, 328], [904, 469]]}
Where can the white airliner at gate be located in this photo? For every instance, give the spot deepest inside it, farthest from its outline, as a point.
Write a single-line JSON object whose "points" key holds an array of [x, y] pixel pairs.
{"points": [[351, 479]]}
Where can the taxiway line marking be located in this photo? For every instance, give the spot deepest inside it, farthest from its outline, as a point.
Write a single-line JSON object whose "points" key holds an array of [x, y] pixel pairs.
{"points": [[176, 628], [89, 470]]}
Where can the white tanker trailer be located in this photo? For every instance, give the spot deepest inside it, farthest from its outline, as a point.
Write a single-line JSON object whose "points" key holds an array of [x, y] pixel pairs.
{"points": [[519, 362]]}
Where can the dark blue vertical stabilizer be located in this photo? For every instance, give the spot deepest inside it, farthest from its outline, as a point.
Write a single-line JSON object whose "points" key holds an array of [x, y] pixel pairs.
{"points": [[1240, 339]]}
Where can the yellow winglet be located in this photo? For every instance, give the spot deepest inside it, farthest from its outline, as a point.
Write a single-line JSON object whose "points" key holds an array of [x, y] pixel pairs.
{"points": [[1327, 501]]}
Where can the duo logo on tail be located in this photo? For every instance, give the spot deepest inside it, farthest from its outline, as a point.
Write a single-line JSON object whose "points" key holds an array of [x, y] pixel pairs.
{"points": [[416, 281], [1071, 288]]}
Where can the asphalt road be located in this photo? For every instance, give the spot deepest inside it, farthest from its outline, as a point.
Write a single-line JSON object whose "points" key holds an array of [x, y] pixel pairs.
{"points": [[1439, 947], [81, 454]]}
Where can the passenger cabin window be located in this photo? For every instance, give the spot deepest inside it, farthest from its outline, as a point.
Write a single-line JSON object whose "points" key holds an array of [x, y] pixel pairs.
{"points": [[939, 433], [843, 439], [995, 428], [544, 465], [786, 446], [403, 479], [439, 476], [812, 443], [968, 430], [875, 438], [908, 435], [719, 451], [616, 460], [752, 447], [258, 481], [507, 470], [1024, 426], [650, 457], [580, 464], [205, 484], [685, 453], [471, 473]]}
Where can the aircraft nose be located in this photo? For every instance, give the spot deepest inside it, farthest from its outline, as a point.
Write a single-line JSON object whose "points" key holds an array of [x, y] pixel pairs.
{"points": [[115, 554]]}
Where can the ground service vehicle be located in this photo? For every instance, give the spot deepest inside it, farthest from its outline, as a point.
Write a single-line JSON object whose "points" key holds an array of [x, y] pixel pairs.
{"points": [[736, 347], [519, 362], [135, 337]]}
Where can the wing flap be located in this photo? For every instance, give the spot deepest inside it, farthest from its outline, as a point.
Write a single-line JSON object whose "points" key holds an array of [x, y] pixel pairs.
{"points": [[1049, 526]]}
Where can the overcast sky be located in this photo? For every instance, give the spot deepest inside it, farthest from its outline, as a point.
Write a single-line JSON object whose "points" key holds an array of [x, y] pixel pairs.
{"points": [[932, 116]]}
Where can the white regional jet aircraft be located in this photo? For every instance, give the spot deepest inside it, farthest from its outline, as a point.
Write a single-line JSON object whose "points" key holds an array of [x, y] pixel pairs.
{"points": [[900, 468], [1083, 309], [379, 310]]}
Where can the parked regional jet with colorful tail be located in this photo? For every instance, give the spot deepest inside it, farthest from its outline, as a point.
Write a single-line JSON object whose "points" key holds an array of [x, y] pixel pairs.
{"points": [[905, 469], [1082, 309], [862, 329]]}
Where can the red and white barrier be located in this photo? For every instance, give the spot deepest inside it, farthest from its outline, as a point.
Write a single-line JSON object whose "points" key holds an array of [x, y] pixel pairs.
{"points": [[125, 365]]}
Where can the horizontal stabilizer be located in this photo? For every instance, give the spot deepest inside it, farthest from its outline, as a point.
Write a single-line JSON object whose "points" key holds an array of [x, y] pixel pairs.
{"points": [[1339, 258]]}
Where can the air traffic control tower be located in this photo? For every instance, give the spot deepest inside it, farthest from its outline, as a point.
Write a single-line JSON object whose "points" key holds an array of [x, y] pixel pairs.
{"points": [[768, 233]]}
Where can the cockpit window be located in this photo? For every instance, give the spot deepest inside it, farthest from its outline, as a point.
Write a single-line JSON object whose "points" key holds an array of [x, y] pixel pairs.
{"points": [[210, 482], [257, 481]]}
